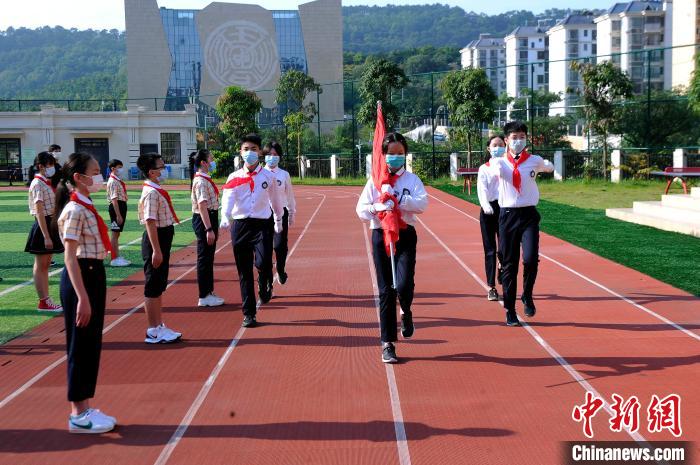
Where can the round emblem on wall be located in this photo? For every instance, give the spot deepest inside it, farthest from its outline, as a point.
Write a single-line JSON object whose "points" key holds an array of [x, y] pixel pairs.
{"points": [[241, 53], [264, 185]]}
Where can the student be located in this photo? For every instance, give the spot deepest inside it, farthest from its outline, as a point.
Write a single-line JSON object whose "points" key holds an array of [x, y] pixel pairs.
{"points": [[205, 222], [117, 198], [157, 214], [272, 152], [487, 190], [43, 241], [55, 150], [412, 199], [519, 220], [83, 288], [248, 195]]}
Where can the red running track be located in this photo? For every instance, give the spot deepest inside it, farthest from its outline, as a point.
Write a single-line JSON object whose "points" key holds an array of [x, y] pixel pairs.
{"points": [[307, 386]]}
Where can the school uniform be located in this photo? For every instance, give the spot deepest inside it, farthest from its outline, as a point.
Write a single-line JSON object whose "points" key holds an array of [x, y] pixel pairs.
{"points": [[519, 221], [84, 345], [116, 189], [280, 240], [204, 189], [251, 199], [40, 190], [487, 191], [155, 204], [413, 200]]}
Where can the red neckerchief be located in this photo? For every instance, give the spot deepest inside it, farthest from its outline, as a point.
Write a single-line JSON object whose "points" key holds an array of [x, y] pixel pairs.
{"points": [[122, 183], [166, 196], [101, 226], [235, 182], [208, 178], [45, 181], [516, 174]]}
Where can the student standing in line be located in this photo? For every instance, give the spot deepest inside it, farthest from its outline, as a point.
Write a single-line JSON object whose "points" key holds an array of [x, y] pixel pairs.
{"points": [[55, 150], [83, 288], [43, 241], [487, 190], [519, 221], [117, 198], [249, 193], [411, 199], [272, 152], [157, 214], [205, 222]]}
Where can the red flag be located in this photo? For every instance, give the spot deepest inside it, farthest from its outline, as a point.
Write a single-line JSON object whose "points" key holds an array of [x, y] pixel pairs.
{"points": [[391, 220]]}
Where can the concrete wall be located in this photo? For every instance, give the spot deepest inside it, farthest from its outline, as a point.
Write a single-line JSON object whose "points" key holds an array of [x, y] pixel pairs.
{"points": [[124, 131], [148, 60], [685, 27]]}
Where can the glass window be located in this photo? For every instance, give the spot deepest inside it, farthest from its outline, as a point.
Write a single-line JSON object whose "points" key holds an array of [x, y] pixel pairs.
{"points": [[523, 55], [585, 33], [10, 159], [290, 40], [573, 34], [185, 52], [170, 147], [523, 42], [594, 35]]}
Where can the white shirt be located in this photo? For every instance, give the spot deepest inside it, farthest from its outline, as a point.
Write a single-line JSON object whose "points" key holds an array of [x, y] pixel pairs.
{"points": [[239, 203], [284, 182], [410, 192], [486, 186], [529, 196]]}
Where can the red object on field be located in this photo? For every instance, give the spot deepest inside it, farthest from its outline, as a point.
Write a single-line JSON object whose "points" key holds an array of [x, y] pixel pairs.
{"points": [[467, 173], [681, 173], [391, 220], [101, 226]]}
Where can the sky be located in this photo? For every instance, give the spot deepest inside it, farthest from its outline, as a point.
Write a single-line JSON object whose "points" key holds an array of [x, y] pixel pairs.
{"points": [[109, 14]]}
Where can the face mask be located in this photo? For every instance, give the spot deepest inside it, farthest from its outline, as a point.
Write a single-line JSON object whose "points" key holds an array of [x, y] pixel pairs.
{"points": [[395, 161], [250, 157], [517, 145], [119, 172], [272, 160], [57, 155], [50, 171], [497, 151], [212, 166], [96, 185], [162, 176]]}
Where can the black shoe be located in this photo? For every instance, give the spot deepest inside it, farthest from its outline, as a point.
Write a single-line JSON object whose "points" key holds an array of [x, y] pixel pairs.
{"points": [[282, 276], [407, 327], [249, 322], [512, 318], [53, 263], [265, 292], [389, 353], [493, 294], [529, 306]]}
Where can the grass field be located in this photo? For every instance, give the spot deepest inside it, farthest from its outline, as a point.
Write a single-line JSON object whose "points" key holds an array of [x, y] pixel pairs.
{"points": [[575, 212], [18, 308]]}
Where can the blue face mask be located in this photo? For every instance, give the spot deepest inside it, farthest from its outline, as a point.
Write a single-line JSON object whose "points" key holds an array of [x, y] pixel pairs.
{"points": [[212, 166], [395, 161], [517, 146], [498, 151], [250, 157], [272, 160]]}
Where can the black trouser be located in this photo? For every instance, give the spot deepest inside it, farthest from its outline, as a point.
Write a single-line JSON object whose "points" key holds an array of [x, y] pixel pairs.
{"points": [[516, 226], [84, 345], [156, 279], [252, 244], [205, 252], [405, 264], [489, 234], [279, 243]]}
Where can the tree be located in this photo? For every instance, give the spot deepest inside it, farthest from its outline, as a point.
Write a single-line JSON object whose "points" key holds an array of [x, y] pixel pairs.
{"points": [[237, 109], [694, 88], [291, 92], [378, 79], [471, 102], [604, 85]]}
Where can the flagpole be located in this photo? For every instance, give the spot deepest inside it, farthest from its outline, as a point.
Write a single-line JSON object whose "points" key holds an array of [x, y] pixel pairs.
{"points": [[393, 268]]}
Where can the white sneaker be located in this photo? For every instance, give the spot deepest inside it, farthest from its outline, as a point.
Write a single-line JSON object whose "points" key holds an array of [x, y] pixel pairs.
{"points": [[161, 334], [120, 261], [97, 412], [90, 422], [210, 301]]}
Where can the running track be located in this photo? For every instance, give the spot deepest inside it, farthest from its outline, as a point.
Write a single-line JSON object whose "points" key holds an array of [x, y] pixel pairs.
{"points": [[308, 387]]}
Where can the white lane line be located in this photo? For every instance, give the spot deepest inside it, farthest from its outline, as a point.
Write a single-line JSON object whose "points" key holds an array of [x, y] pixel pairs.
{"points": [[597, 284], [540, 340], [179, 433], [399, 428], [55, 272], [107, 329]]}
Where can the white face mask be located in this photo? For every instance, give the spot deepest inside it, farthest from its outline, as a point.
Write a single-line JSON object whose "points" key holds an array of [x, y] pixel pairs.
{"points": [[272, 160], [517, 145], [50, 171], [57, 155], [97, 183], [163, 175], [250, 157], [119, 172]]}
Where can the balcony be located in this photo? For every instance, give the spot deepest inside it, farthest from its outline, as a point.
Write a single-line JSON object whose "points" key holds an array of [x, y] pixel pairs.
{"points": [[651, 28]]}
